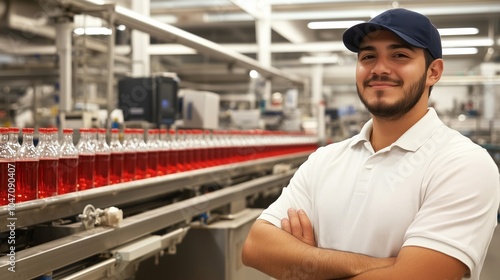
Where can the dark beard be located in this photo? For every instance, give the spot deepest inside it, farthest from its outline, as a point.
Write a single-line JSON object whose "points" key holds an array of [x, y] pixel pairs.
{"points": [[398, 110]]}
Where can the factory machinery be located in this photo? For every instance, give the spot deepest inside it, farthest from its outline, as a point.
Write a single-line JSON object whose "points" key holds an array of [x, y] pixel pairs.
{"points": [[188, 225], [106, 232]]}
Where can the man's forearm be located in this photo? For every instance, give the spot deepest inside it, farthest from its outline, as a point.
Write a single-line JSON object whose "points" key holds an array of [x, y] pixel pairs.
{"points": [[281, 255]]}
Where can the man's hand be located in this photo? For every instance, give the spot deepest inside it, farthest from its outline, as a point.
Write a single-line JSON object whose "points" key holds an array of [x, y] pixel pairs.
{"points": [[299, 225]]}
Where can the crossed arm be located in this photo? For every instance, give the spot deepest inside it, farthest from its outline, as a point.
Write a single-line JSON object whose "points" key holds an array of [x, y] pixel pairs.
{"points": [[291, 253]]}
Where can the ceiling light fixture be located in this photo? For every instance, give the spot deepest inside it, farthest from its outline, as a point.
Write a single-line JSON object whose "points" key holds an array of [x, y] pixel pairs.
{"points": [[457, 43], [92, 31], [458, 31], [253, 74], [332, 59], [332, 24], [459, 51]]}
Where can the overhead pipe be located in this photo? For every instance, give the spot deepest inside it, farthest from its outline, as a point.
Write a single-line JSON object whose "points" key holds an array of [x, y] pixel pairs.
{"points": [[162, 30], [64, 46]]}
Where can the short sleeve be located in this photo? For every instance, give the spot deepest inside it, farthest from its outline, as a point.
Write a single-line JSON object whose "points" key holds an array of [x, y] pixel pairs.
{"points": [[459, 206], [296, 195]]}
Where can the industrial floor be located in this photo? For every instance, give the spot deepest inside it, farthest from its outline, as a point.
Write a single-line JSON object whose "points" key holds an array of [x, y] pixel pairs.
{"points": [[491, 269]]}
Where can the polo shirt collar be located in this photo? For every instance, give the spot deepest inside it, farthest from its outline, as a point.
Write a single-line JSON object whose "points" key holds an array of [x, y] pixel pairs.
{"points": [[413, 138]]}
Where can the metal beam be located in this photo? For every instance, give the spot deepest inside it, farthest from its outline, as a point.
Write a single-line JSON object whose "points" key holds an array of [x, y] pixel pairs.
{"points": [[250, 7], [165, 31], [176, 49]]}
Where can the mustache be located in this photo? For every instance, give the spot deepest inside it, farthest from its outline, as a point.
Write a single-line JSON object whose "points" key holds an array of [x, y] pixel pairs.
{"points": [[379, 78]]}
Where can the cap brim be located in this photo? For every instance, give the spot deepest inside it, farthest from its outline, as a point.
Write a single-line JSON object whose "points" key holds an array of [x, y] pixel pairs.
{"points": [[353, 36]]}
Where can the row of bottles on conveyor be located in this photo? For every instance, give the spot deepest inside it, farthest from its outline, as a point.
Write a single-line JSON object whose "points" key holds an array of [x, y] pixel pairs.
{"points": [[57, 166]]}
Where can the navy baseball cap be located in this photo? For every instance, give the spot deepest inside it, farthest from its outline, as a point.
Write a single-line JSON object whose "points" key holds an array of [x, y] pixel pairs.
{"points": [[412, 27]]}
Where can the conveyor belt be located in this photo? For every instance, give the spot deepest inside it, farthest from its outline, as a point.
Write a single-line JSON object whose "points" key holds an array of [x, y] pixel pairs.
{"points": [[52, 255], [49, 209]]}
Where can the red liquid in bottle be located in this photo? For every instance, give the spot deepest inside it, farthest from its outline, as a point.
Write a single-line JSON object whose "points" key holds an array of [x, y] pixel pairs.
{"points": [[196, 158], [173, 157], [227, 156], [68, 176], [216, 155], [101, 168], [163, 162], [212, 156], [47, 177], [116, 168], [86, 172], [204, 158], [26, 180], [152, 163], [181, 160], [129, 164], [188, 159], [7, 175], [142, 165]]}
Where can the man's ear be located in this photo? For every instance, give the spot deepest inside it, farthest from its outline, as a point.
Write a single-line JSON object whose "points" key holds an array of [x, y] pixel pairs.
{"points": [[434, 72]]}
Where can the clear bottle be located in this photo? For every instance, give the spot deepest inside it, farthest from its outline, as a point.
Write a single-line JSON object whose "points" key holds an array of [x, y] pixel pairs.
{"points": [[68, 164], [153, 153], [130, 156], [266, 139], [163, 155], [53, 134], [27, 168], [209, 150], [86, 159], [216, 151], [102, 159], [141, 169], [245, 145], [7, 169], [225, 149], [48, 164], [254, 143], [189, 149], [200, 147], [263, 145], [116, 158], [238, 149], [173, 158], [181, 151], [14, 138]]}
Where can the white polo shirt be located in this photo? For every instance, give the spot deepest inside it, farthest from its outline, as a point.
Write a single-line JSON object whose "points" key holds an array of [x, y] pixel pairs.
{"points": [[432, 188]]}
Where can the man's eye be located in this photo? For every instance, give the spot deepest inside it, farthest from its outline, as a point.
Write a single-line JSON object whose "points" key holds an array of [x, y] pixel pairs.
{"points": [[400, 55], [367, 56]]}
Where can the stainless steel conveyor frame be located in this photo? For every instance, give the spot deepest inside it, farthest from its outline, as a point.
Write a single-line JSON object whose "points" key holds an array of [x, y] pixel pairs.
{"points": [[52, 255]]}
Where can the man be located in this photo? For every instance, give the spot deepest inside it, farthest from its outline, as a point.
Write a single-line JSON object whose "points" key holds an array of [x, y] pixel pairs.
{"points": [[407, 198]]}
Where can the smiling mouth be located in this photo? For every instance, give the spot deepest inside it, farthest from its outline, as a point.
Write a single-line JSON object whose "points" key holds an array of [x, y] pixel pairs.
{"points": [[381, 82], [384, 85]]}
